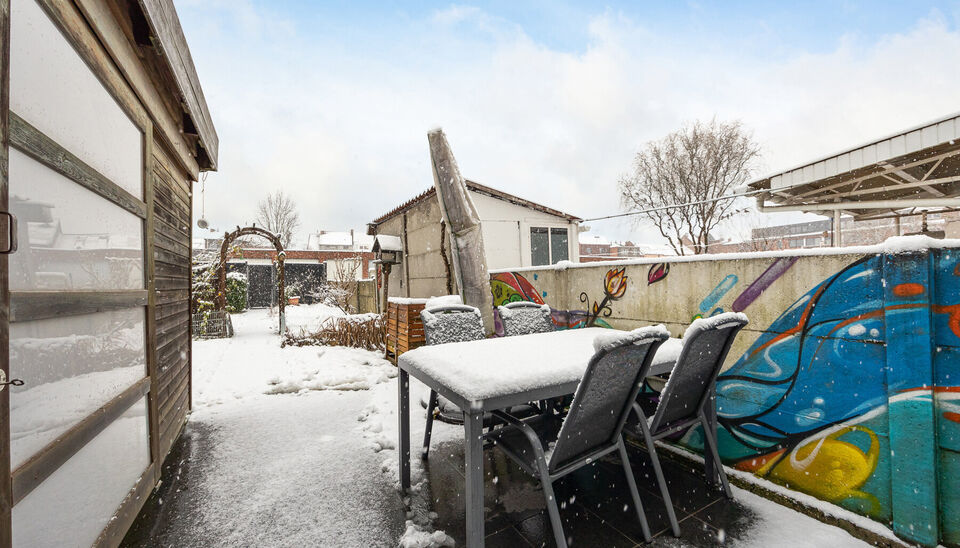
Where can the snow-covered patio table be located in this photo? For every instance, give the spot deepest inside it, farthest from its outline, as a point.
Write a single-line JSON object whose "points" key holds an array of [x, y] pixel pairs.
{"points": [[490, 374]]}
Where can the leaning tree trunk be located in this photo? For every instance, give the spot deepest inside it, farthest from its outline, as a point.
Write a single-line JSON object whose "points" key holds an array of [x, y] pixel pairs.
{"points": [[464, 223]]}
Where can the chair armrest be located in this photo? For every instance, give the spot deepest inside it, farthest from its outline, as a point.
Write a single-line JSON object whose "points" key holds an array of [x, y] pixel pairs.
{"points": [[529, 432]]}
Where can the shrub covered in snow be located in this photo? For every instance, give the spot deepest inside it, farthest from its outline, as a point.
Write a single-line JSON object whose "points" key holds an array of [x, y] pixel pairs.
{"points": [[358, 331]]}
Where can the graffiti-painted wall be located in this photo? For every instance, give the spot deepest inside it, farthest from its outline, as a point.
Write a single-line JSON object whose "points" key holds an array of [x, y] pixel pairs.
{"points": [[845, 385]]}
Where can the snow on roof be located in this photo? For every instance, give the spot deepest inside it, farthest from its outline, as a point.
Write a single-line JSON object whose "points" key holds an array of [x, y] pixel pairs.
{"points": [[896, 244], [331, 239], [387, 242], [482, 189], [593, 239]]}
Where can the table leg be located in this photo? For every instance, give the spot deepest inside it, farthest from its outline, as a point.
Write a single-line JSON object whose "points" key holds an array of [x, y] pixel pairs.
{"points": [[473, 449], [403, 416]]}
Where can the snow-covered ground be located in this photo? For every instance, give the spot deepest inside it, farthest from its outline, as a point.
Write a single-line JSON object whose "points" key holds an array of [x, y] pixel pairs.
{"points": [[305, 436], [298, 449]]}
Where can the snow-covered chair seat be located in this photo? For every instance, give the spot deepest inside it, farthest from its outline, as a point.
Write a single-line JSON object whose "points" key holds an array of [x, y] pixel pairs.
{"points": [[525, 318], [682, 402], [451, 324]]}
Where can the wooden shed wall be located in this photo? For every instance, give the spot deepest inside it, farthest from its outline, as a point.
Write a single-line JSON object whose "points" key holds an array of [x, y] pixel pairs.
{"points": [[171, 226]]}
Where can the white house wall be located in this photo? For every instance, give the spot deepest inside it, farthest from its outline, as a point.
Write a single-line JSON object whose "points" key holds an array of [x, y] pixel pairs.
{"points": [[506, 231]]}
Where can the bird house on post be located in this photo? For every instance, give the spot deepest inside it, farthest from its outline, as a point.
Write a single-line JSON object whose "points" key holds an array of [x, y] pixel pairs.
{"points": [[388, 250]]}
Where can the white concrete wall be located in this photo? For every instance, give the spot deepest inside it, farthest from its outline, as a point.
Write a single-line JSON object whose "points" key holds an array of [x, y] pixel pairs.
{"points": [[506, 231]]}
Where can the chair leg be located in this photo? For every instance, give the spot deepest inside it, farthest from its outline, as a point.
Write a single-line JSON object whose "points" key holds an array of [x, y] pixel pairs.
{"points": [[552, 510], [710, 440], [431, 406], [661, 480], [632, 484]]}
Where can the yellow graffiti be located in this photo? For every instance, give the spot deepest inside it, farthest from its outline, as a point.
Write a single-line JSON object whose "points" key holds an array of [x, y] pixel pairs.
{"points": [[503, 293], [828, 468]]}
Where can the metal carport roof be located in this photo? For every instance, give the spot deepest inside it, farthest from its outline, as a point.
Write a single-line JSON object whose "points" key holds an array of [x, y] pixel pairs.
{"points": [[916, 169]]}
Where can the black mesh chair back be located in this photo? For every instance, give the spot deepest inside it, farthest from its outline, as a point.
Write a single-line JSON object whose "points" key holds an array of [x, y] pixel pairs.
{"points": [[452, 323], [705, 346], [605, 396], [525, 318]]}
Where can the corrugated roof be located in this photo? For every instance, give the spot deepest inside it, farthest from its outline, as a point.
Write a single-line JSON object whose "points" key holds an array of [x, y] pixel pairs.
{"points": [[914, 166]]}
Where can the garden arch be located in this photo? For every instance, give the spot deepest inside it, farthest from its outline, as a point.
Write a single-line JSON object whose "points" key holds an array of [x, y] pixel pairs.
{"points": [[228, 239]]}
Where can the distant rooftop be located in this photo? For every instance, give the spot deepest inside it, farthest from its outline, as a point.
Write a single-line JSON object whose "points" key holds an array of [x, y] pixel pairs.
{"points": [[353, 239], [586, 238]]}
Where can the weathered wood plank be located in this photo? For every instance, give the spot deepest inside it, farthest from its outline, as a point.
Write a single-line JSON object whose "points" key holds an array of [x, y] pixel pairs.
{"points": [[31, 473], [151, 342], [174, 413], [173, 309], [165, 339], [173, 246], [38, 305], [168, 401], [173, 371], [172, 296], [163, 19], [171, 192], [173, 283], [6, 490], [174, 426], [175, 222], [45, 150], [173, 234], [173, 231], [164, 256], [172, 271]]}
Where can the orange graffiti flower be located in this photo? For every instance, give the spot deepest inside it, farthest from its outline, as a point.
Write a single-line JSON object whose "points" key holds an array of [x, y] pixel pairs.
{"points": [[615, 283]]}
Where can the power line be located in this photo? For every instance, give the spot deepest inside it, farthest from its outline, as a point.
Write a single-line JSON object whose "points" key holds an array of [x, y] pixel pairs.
{"points": [[674, 206]]}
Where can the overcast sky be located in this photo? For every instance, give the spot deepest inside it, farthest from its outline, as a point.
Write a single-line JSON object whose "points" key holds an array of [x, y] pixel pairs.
{"points": [[332, 101]]}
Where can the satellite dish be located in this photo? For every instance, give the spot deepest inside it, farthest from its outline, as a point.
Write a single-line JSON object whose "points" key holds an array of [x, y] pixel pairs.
{"points": [[202, 223]]}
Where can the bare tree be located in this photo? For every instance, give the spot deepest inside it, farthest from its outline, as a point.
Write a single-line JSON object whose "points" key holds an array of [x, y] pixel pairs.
{"points": [[697, 163], [278, 214]]}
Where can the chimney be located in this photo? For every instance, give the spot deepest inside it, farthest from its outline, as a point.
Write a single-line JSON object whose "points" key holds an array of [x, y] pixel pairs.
{"points": [[352, 242]]}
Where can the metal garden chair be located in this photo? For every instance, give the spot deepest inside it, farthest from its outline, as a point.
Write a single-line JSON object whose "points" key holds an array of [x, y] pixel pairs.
{"points": [[688, 391], [525, 318], [451, 324], [549, 449]]}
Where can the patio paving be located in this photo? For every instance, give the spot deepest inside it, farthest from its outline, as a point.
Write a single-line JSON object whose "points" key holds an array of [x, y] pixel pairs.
{"points": [[594, 503]]}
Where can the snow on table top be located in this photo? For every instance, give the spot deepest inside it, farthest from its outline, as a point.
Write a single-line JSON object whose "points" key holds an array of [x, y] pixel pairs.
{"points": [[667, 354], [479, 370]]}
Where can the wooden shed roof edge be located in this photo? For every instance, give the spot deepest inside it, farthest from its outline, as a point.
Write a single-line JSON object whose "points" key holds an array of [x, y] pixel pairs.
{"points": [[483, 189], [165, 26]]}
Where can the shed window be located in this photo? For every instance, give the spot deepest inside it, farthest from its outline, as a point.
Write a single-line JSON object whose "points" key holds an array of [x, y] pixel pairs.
{"points": [[559, 248], [548, 245], [539, 246]]}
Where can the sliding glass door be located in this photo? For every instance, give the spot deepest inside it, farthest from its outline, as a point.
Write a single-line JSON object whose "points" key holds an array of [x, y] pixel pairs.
{"points": [[78, 426]]}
